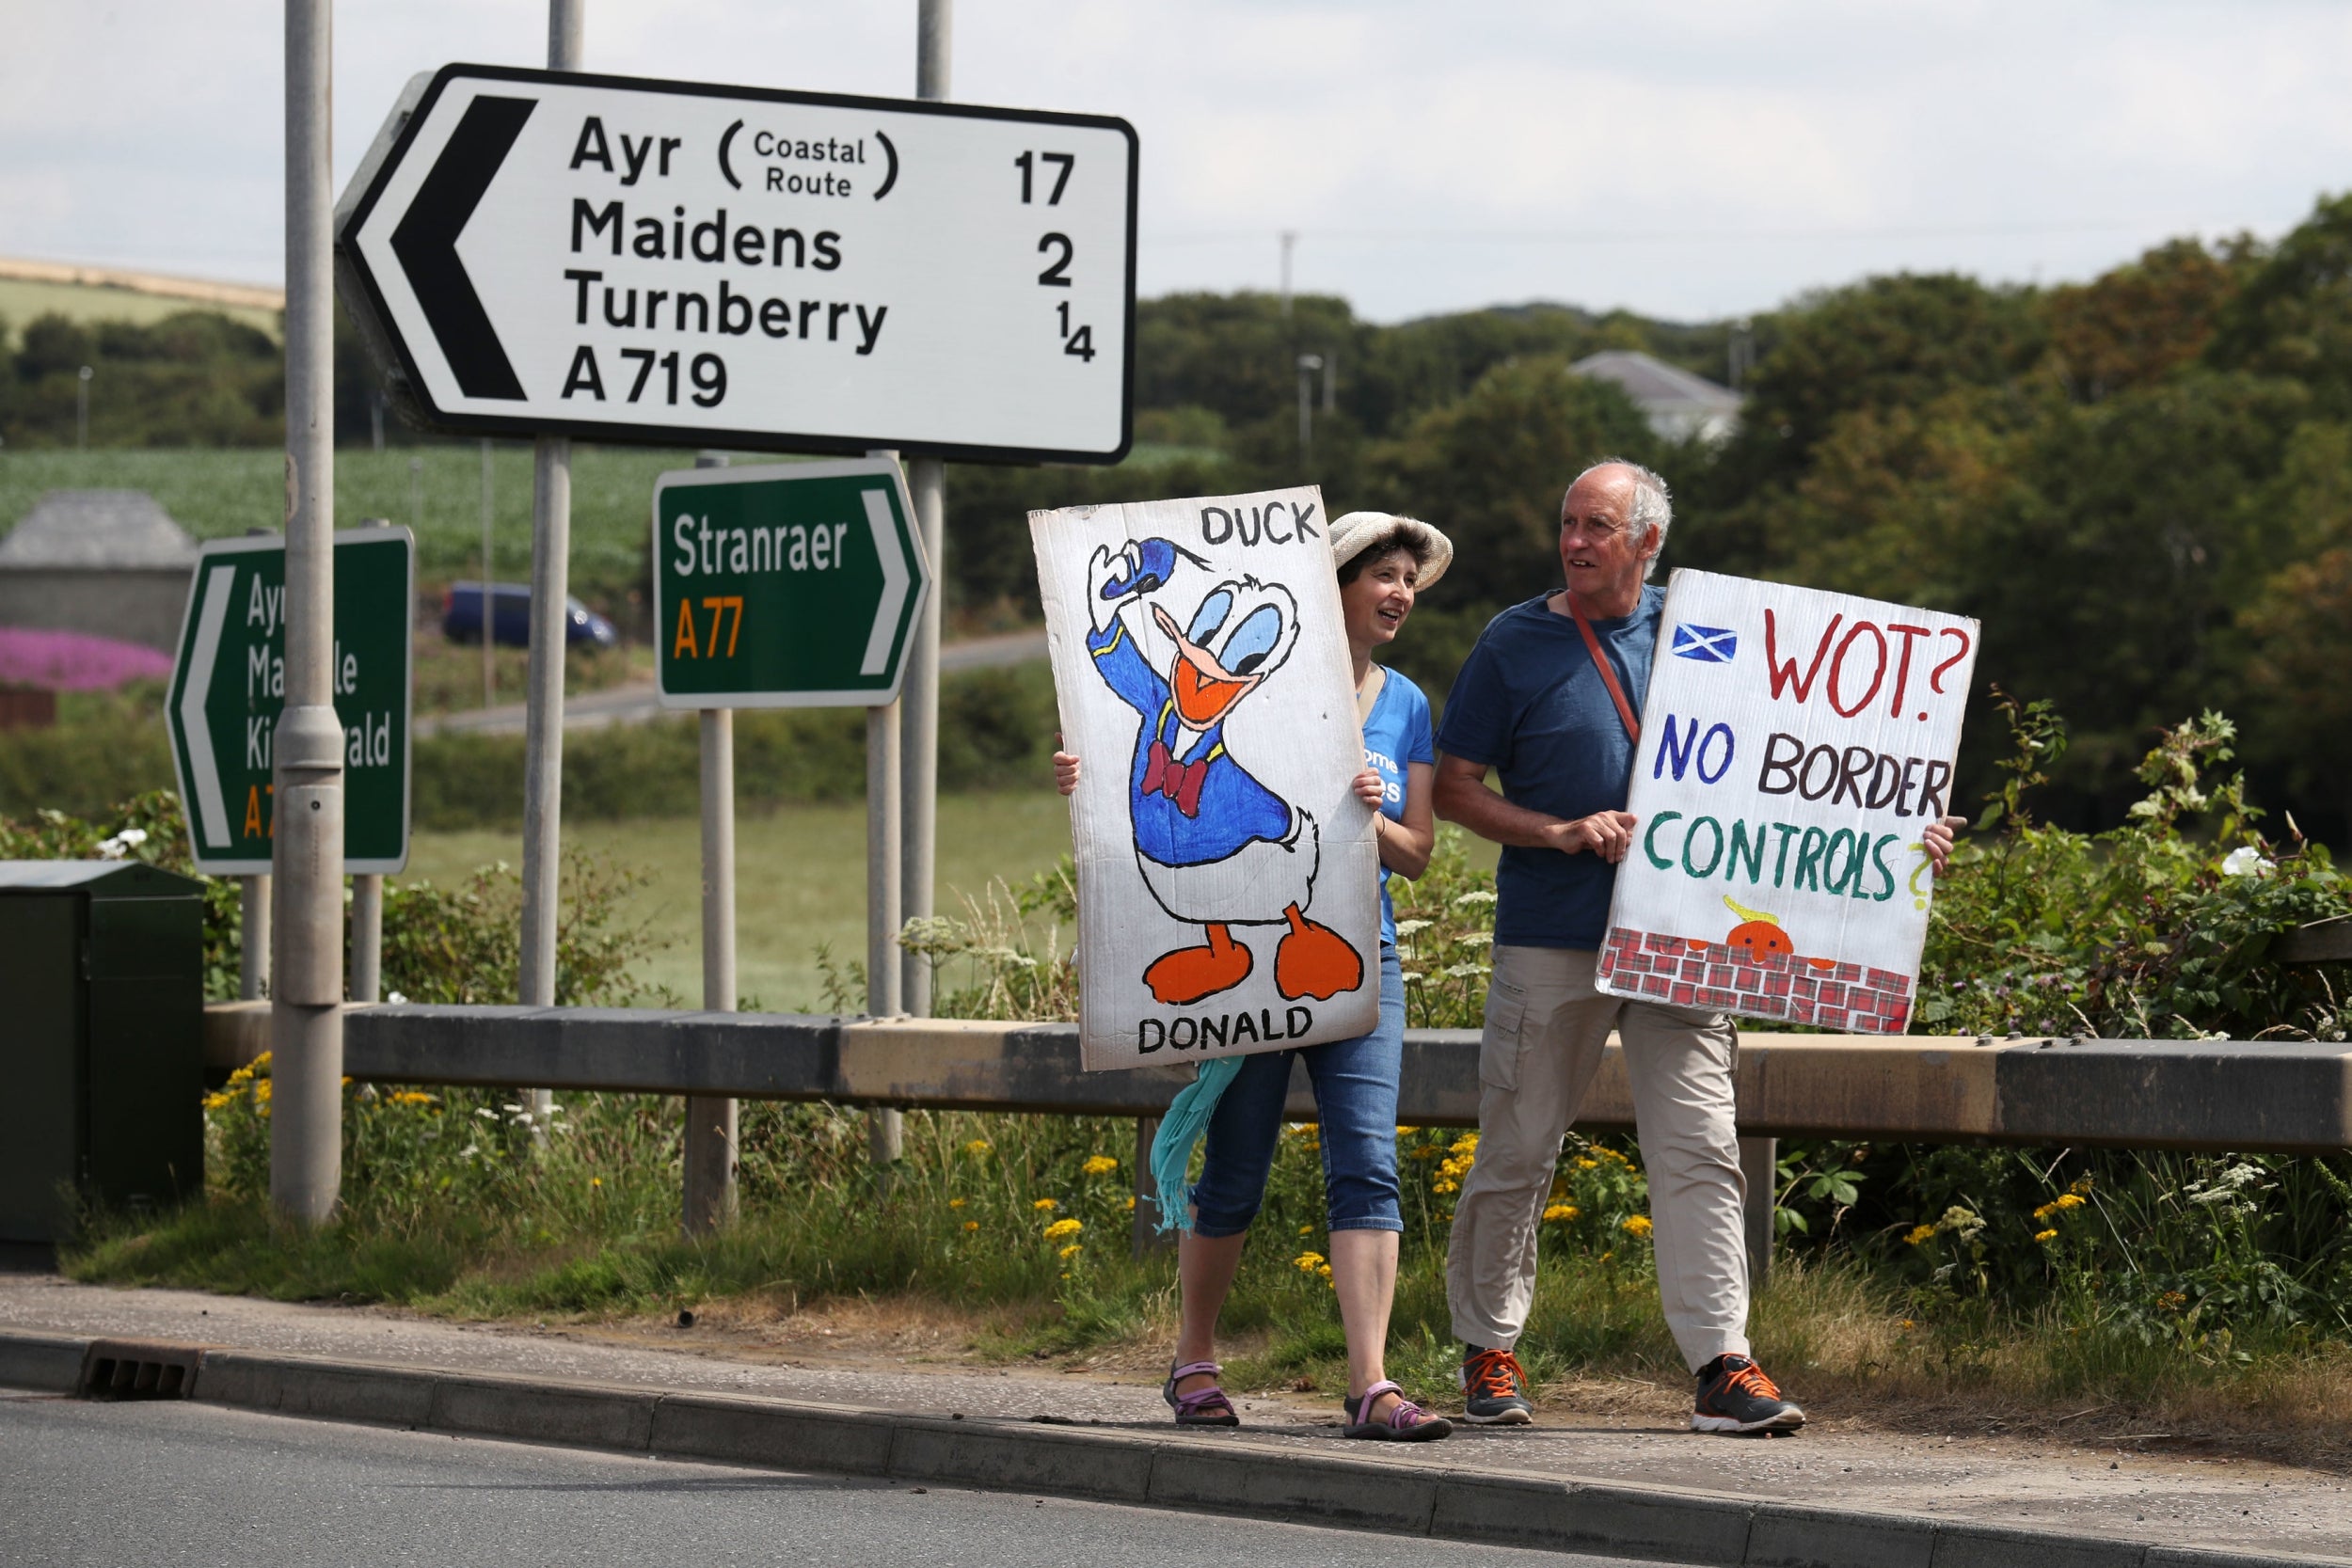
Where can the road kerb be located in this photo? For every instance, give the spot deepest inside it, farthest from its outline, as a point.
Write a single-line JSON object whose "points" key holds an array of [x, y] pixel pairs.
{"points": [[1202, 1472]]}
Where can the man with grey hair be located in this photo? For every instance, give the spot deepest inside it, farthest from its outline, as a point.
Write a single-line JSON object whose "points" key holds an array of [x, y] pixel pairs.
{"points": [[1550, 698]]}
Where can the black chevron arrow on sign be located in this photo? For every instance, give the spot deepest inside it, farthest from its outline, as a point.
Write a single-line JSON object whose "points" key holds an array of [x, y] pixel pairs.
{"points": [[426, 244]]}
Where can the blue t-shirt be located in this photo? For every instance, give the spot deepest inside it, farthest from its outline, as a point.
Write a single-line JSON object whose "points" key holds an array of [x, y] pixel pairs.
{"points": [[1529, 704], [1396, 736]]}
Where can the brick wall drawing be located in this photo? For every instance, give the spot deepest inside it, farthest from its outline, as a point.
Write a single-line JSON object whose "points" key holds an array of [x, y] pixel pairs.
{"points": [[1687, 974]]}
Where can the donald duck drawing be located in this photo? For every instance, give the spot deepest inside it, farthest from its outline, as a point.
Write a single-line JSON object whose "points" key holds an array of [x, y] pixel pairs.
{"points": [[1217, 848]]}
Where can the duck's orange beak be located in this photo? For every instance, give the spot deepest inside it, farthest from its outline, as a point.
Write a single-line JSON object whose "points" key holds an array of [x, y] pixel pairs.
{"points": [[1204, 692]]}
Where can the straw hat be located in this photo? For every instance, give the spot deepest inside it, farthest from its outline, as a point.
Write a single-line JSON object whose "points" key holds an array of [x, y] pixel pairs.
{"points": [[1356, 532]]}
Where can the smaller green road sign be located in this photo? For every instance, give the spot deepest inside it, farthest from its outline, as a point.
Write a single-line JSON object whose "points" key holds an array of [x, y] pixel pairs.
{"points": [[228, 687], [792, 585]]}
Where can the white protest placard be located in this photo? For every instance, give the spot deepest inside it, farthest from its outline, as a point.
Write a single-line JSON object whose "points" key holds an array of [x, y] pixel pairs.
{"points": [[1795, 745], [1227, 877]]}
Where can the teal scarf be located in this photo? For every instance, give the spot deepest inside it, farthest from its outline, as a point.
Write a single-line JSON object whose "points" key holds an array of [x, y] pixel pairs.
{"points": [[1185, 1122]]}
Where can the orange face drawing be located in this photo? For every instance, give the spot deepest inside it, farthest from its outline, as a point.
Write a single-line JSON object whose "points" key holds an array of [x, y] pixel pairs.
{"points": [[1759, 937], [1759, 934]]}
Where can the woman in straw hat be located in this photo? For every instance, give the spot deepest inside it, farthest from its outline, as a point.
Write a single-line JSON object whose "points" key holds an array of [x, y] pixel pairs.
{"points": [[1383, 562]]}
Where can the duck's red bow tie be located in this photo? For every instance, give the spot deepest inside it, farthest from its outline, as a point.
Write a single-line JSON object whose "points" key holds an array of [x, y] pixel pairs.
{"points": [[1180, 782]]}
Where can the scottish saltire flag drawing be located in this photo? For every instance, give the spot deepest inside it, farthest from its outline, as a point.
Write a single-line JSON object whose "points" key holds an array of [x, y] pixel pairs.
{"points": [[1228, 890], [1708, 644], [1777, 867]]}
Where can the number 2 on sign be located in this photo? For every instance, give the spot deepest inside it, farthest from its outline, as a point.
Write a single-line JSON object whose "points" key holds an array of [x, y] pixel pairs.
{"points": [[684, 644]]}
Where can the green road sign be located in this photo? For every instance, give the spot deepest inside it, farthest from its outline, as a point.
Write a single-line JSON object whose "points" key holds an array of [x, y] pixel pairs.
{"points": [[228, 687], [792, 585]]}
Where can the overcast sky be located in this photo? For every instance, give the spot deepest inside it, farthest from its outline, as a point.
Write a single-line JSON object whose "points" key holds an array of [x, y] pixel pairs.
{"points": [[1684, 160]]}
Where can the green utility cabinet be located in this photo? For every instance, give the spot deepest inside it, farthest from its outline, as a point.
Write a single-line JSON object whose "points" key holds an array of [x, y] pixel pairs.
{"points": [[102, 1040]]}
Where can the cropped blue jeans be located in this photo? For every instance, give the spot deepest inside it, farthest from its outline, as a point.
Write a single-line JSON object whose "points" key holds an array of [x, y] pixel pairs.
{"points": [[1355, 1083]]}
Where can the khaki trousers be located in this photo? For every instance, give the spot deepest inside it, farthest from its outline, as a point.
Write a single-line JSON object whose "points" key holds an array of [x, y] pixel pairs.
{"points": [[1544, 1029]]}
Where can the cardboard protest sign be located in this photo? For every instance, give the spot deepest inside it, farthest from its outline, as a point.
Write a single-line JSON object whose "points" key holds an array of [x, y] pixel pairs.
{"points": [[1794, 746], [1227, 877]]}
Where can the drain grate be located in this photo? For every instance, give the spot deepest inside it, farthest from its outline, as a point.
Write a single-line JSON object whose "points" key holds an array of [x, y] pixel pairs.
{"points": [[139, 1370]]}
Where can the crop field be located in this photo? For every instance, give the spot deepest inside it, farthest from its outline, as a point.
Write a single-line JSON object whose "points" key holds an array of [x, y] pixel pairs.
{"points": [[799, 879], [435, 489]]}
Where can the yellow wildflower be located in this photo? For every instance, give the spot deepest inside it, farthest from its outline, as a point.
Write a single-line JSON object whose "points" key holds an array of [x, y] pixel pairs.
{"points": [[1306, 1230], [1326, 1272], [955, 1203], [1588, 1164], [1308, 1262], [1131, 1203], [412, 1096], [1059, 1229], [1071, 1251], [1445, 1187], [1407, 1132], [1919, 1233], [2045, 1235], [971, 1225], [2081, 1186], [1428, 1152], [1465, 1145], [1562, 1211], [1046, 1205], [215, 1101], [978, 1145], [1099, 1165], [2045, 1212], [2069, 1200], [1637, 1225]]}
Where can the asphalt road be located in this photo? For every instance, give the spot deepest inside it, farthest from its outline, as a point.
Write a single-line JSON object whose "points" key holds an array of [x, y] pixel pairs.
{"points": [[133, 1485]]}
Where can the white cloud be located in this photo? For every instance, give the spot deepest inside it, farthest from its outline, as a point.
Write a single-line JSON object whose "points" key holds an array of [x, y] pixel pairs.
{"points": [[1686, 159]]}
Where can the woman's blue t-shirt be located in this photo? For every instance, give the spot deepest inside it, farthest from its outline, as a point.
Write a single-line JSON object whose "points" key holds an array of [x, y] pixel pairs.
{"points": [[1396, 736]]}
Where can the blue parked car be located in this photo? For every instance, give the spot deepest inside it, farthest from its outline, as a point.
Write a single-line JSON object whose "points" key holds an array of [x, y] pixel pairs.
{"points": [[510, 617]]}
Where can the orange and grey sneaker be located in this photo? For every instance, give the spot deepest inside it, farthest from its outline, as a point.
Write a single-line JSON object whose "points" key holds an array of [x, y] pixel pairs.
{"points": [[1736, 1396], [1494, 1389]]}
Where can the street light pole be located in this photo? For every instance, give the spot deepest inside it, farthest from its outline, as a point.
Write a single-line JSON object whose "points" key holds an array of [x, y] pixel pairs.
{"points": [[306, 851], [1307, 365], [80, 410]]}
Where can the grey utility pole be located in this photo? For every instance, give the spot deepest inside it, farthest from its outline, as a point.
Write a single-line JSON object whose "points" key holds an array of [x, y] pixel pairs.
{"points": [[1307, 365], [253, 964], [307, 854], [927, 482], [710, 1120], [543, 720]]}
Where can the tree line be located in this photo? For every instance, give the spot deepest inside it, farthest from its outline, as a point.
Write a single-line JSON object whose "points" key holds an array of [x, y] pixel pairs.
{"points": [[2141, 485]]}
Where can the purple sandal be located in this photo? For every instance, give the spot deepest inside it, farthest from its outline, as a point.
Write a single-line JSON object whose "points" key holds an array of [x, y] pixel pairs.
{"points": [[1405, 1423], [1205, 1407]]}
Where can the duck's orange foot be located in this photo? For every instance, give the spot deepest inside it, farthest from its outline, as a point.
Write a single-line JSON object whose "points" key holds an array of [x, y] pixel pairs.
{"points": [[1314, 961], [1189, 973]]}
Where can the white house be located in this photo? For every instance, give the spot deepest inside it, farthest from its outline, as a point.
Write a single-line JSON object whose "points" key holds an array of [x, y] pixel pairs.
{"points": [[1677, 405]]}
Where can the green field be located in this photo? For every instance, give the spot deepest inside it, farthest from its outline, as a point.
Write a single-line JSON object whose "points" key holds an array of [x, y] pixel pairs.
{"points": [[799, 879], [216, 494], [22, 300]]}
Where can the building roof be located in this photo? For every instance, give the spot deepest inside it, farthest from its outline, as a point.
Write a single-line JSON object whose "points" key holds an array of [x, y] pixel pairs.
{"points": [[1677, 404], [100, 529]]}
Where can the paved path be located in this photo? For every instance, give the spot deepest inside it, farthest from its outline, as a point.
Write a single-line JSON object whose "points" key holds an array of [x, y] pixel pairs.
{"points": [[635, 702], [130, 1485], [2100, 1489]]}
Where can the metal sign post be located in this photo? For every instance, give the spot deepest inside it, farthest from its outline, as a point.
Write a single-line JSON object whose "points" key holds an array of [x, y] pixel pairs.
{"points": [[550, 595], [711, 1121], [928, 479]]}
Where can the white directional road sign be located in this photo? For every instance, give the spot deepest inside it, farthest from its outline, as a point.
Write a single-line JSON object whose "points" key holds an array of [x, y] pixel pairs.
{"points": [[537, 252]]}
